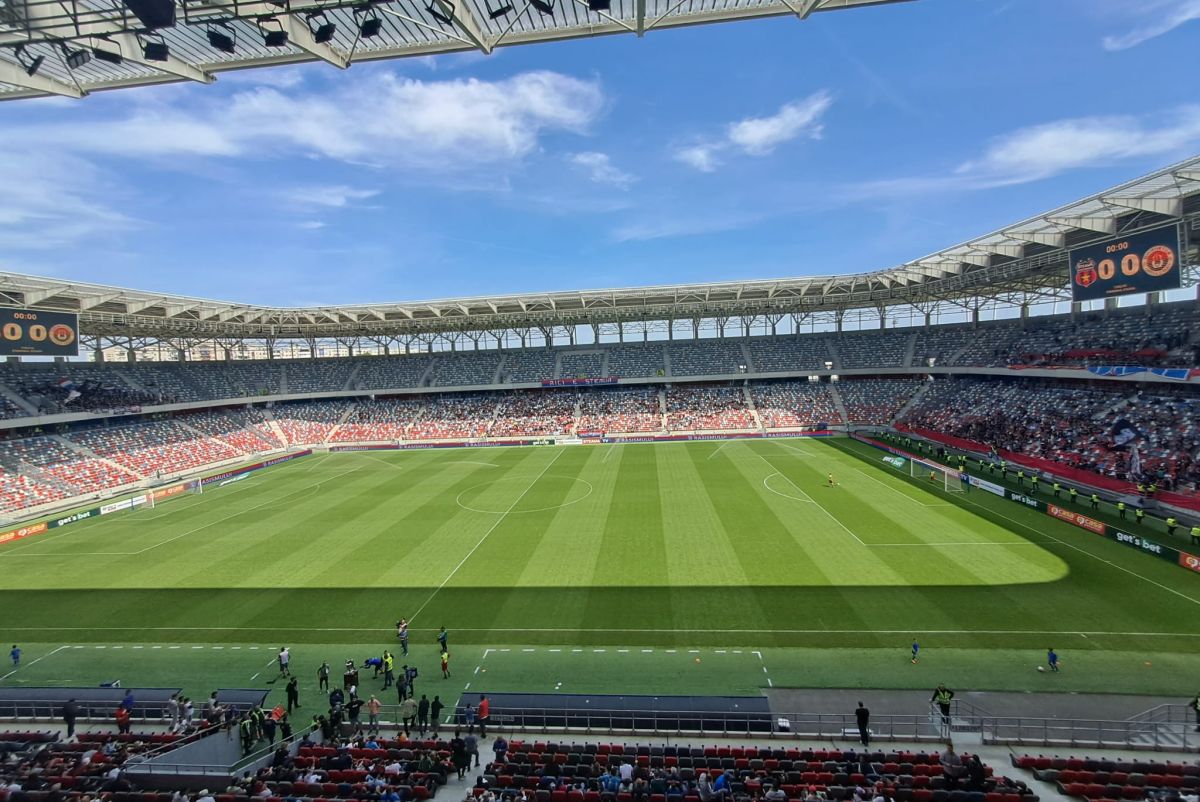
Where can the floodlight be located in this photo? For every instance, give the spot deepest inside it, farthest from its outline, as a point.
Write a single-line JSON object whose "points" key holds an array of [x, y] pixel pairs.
{"points": [[271, 36], [30, 65], [323, 32], [220, 40], [74, 58], [371, 26], [153, 14], [107, 55], [499, 11], [155, 49], [439, 15], [544, 6]]}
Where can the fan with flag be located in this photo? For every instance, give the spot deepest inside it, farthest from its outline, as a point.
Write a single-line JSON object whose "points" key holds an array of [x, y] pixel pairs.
{"points": [[71, 388]]}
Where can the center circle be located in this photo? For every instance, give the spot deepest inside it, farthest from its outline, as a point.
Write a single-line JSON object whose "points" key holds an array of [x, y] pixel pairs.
{"points": [[571, 489]]}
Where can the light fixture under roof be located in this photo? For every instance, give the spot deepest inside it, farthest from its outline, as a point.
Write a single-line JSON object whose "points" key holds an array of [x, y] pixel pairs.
{"points": [[273, 37], [544, 6], [439, 15], [218, 39], [322, 32], [30, 65], [75, 58]]}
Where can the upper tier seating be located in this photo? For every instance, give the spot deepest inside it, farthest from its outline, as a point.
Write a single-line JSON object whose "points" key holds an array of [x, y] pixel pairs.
{"points": [[636, 360], [873, 349], [788, 354], [534, 365], [577, 365], [465, 369], [705, 357], [394, 372]]}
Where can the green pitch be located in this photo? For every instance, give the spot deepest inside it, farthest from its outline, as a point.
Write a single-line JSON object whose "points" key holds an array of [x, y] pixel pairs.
{"points": [[644, 551]]}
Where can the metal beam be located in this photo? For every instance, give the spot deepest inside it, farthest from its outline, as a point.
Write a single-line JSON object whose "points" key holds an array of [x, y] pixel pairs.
{"points": [[300, 36], [15, 74], [1092, 222], [1171, 207], [131, 50], [466, 23], [639, 9], [1055, 239]]}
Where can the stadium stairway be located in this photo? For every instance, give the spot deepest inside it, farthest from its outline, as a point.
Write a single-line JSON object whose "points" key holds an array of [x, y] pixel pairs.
{"points": [[909, 348], [667, 372], [834, 356], [662, 408], [604, 368], [130, 378], [838, 404], [747, 359], [349, 385], [954, 357], [758, 424], [334, 430], [912, 402], [17, 399], [273, 425]]}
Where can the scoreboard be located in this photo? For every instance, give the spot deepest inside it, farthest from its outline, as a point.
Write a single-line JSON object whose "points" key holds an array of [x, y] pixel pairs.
{"points": [[32, 332], [1147, 261]]}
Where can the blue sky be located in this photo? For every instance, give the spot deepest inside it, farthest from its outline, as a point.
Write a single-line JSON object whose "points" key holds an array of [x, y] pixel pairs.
{"points": [[853, 141]]}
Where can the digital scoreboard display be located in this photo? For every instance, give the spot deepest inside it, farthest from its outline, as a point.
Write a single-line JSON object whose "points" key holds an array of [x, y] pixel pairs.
{"points": [[1147, 261], [32, 332]]}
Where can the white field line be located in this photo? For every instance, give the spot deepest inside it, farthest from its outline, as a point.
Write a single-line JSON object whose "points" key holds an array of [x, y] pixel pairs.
{"points": [[492, 528], [31, 662], [718, 448], [609, 453], [766, 480], [908, 631], [384, 461], [820, 506]]}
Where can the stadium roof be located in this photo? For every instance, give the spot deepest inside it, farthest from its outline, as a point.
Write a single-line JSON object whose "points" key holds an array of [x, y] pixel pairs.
{"points": [[73, 47], [1028, 259]]}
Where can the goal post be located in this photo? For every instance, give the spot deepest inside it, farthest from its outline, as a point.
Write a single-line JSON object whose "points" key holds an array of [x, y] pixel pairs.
{"points": [[949, 478], [194, 486]]}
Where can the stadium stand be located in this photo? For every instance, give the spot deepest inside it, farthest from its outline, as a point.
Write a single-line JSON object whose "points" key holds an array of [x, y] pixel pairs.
{"points": [[155, 448], [415, 769], [706, 357], [876, 401], [604, 410], [385, 419], [534, 365], [699, 407], [790, 404], [464, 370], [1108, 780], [872, 349], [782, 354], [52, 471], [73, 387], [578, 365], [535, 414], [455, 416], [311, 422], [636, 360], [393, 372], [319, 375], [579, 772], [243, 429], [941, 344]]}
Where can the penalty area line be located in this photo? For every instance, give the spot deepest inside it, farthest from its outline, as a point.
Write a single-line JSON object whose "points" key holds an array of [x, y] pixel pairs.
{"points": [[33, 661]]}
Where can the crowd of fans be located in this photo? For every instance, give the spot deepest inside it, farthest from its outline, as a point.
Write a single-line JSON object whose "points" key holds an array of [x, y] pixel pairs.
{"points": [[788, 404], [876, 401], [536, 414], [703, 407], [1095, 429], [631, 410]]}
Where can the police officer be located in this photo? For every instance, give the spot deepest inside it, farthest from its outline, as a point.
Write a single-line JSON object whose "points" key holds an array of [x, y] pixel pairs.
{"points": [[1121, 510]]}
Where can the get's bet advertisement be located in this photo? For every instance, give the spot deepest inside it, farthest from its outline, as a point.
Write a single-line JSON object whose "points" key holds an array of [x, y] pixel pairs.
{"points": [[1144, 262]]}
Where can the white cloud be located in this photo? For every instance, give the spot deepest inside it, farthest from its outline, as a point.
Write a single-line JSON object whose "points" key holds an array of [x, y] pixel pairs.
{"points": [[1166, 16], [386, 119], [331, 197], [701, 157], [601, 169], [1043, 151], [760, 136], [1040, 151], [313, 225]]}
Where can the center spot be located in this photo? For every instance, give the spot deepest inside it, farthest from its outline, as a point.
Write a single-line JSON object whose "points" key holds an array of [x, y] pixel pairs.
{"points": [[515, 495]]}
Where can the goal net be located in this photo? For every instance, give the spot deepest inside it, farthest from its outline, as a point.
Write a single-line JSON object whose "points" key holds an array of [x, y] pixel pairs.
{"points": [[948, 478]]}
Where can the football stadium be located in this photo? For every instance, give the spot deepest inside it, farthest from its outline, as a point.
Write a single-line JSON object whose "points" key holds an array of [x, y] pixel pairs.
{"points": [[779, 539]]}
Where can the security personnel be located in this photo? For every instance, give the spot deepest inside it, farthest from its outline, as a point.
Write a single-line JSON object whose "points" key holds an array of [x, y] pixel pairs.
{"points": [[1020, 478], [1095, 502], [1171, 524], [1141, 488], [1152, 489], [1003, 469], [1121, 510], [1035, 481], [1074, 496], [1057, 489], [1139, 515], [1195, 534], [942, 696], [247, 734], [389, 670]]}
